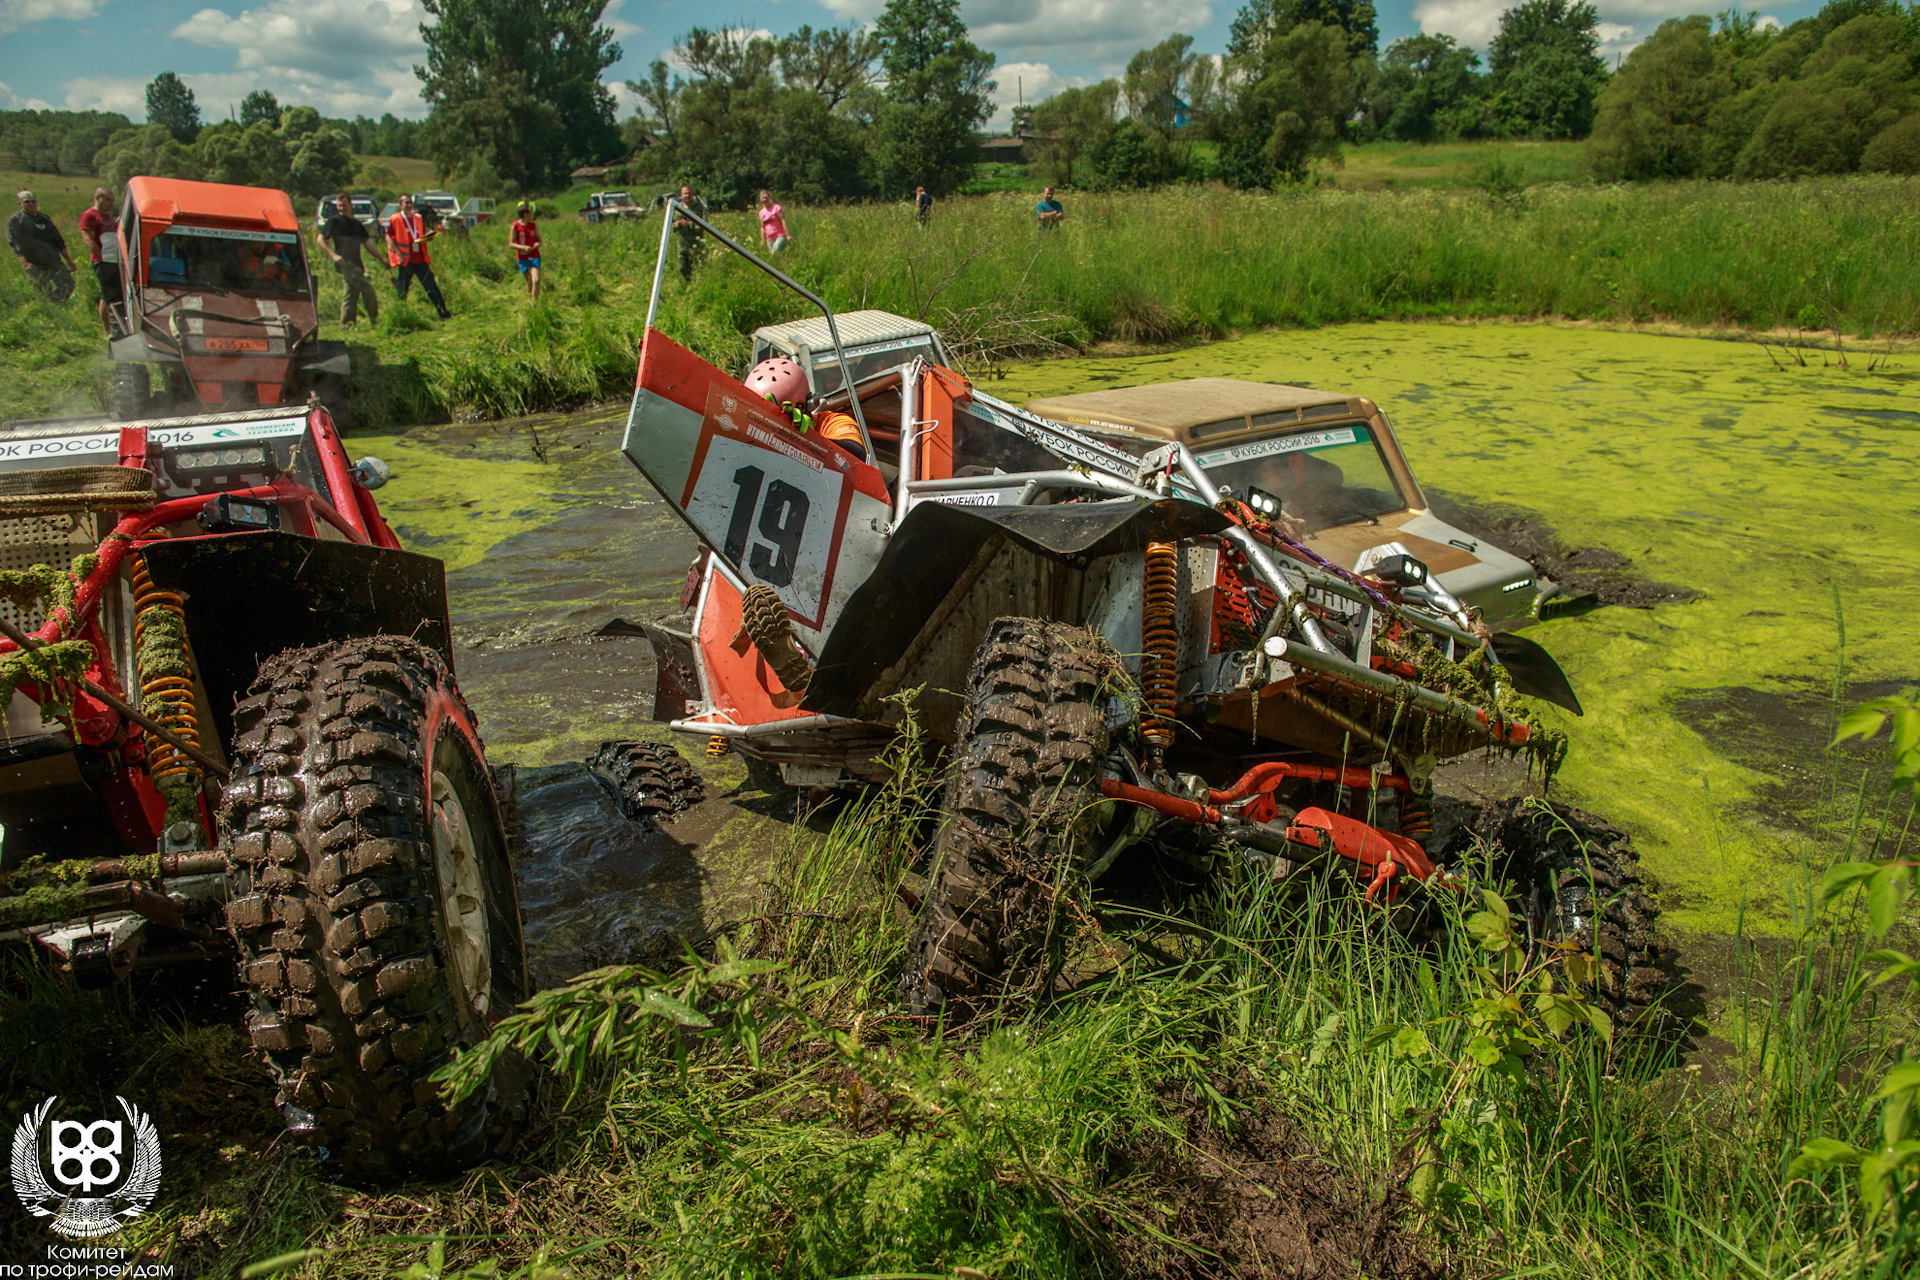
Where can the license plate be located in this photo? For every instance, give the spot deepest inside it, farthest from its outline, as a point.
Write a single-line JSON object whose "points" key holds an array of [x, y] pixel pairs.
{"points": [[236, 344]]}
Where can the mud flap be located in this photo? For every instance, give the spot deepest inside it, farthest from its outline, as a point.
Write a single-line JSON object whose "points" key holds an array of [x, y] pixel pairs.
{"points": [[933, 546], [250, 595], [1535, 673], [676, 683]]}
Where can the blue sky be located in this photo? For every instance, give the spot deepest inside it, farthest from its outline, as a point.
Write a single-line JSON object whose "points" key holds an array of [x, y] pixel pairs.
{"points": [[351, 57]]}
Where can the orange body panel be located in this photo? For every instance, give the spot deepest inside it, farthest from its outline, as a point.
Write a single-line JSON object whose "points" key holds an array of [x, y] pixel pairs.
{"points": [[740, 685]]}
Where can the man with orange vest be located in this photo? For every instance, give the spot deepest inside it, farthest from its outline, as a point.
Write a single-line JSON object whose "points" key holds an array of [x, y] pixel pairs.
{"points": [[407, 237]]}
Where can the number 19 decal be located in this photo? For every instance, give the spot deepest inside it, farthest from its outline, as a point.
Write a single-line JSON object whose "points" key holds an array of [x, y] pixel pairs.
{"points": [[772, 517], [783, 523]]}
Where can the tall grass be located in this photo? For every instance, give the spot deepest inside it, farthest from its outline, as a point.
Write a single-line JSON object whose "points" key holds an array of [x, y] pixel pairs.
{"points": [[1138, 268]]}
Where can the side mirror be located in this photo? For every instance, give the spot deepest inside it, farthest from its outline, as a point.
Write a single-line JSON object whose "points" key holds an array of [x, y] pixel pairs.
{"points": [[371, 473]]}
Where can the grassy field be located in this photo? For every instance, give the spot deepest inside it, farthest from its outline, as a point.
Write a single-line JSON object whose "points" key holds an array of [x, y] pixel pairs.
{"points": [[1794, 259], [1275, 1086], [1377, 166]]}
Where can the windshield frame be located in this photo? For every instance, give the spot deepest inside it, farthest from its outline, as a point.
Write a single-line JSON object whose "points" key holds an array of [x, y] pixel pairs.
{"points": [[1311, 440]]}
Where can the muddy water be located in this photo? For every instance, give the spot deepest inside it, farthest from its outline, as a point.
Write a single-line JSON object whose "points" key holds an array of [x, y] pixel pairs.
{"points": [[1785, 497]]}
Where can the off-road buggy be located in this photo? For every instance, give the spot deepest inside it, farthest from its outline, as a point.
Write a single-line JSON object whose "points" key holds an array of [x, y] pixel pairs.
{"points": [[218, 301], [611, 206], [1114, 648], [232, 725]]}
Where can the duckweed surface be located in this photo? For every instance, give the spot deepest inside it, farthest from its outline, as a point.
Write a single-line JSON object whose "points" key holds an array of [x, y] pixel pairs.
{"points": [[1788, 495]]}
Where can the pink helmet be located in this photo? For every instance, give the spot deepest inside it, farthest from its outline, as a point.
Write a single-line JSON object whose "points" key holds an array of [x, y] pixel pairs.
{"points": [[780, 380]]}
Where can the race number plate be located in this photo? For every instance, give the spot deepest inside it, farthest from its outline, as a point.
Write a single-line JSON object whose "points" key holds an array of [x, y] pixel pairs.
{"points": [[778, 506]]}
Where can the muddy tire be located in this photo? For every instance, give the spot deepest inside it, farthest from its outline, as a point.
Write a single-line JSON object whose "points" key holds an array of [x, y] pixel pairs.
{"points": [[1019, 807], [1576, 877], [651, 779], [374, 908], [132, 393]]}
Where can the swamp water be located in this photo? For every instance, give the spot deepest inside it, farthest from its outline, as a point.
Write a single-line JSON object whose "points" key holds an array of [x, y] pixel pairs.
{"points": [[1786, 496]]}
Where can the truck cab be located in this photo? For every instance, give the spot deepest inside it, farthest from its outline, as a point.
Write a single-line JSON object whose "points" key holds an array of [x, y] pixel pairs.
{"points": [[218, 295], [873, 341], [1323, 458]]}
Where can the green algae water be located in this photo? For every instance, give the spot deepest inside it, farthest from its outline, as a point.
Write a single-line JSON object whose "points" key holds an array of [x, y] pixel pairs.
{"points": [[1788, 497]]}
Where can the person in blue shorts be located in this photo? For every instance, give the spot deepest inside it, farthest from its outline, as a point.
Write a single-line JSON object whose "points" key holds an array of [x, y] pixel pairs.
{"points": [[526, 249]]}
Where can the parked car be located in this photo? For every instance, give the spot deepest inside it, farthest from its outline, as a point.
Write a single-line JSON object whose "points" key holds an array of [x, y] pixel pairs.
{"points": [[363, 209]]}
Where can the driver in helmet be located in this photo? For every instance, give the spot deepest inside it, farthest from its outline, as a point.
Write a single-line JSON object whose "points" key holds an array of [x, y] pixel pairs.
{"points": [[785, 384]]}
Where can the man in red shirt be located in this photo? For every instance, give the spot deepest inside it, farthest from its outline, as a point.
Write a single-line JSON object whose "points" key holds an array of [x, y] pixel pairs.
{"points": [[100, 227], [526, 249], [407, 237]]}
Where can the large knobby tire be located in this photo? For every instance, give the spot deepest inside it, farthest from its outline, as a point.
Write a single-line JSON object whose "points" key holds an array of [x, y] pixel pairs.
{"points": [[1019, 807], [652, 780], [1578, 879], [375, 907], [132, 393]]}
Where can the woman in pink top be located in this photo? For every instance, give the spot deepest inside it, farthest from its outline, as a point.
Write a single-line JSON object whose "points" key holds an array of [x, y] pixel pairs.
{"points": [[773, 227]]}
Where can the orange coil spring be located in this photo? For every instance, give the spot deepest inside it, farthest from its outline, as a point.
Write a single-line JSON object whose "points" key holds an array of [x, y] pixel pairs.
{"points": [[167, 697], [717, 746], [1416, 817], [1159, 643]]}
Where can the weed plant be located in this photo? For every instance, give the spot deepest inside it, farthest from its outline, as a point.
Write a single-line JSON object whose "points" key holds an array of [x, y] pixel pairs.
{"points": [[1134, 268]]}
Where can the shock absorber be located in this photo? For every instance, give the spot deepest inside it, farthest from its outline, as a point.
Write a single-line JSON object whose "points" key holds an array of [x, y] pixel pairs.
{"points": [[166, 678], [717, 746], [1160, 646], [1416, 817]]}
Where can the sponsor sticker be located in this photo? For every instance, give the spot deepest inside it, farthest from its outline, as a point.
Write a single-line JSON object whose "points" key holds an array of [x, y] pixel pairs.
{"points": [[233, 233], [1276, 445]]}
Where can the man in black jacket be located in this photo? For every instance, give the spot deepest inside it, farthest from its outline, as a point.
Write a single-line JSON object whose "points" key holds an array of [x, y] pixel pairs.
{"points": [[343, 237], [41, 248]]}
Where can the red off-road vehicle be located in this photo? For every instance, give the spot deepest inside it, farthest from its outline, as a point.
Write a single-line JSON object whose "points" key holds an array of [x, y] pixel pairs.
{"points": [[218, 303], [232, 726], [1117, 650]]}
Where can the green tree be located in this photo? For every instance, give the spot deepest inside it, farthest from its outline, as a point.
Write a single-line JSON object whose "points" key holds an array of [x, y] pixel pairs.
{"points": [[170, 105], [1069, 126], [254, 156], [1545, 73], [935, 96], [1262, 20], [1425, 88], [1859, 82], [516, 83], [1155, 80], [150, 149], [321, 163], [833, 63], [1896, 149], [1654, 114], [259, 107], [1131, 155], [1293, 112]]}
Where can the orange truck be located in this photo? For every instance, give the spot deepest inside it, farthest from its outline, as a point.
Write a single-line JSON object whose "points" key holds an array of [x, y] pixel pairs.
{"points": [[218, 298]]}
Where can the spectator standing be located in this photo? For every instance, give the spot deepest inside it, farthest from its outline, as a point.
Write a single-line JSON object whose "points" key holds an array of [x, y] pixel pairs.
{"points": [[688, 232], [1049, 210], [922, 207], [407, 237], [773, 224], [343, 237], [526, 249], [41, 248], [100, 228]]}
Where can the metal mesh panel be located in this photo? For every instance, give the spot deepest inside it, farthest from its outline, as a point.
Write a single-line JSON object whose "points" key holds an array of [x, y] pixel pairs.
{"points": [[32, 540]]}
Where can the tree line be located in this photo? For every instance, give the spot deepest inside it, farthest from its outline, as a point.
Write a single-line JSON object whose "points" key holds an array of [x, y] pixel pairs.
{"points": [[1727, 98]]}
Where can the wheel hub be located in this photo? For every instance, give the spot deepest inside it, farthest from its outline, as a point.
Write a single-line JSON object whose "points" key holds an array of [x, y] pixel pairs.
{"points": [[463, 899]]}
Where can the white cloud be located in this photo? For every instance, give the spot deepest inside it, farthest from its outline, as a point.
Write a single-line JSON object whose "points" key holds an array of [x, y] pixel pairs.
{"points": [[1623, 23], [1063, 30], [621, 28], [217, 92], [11, 101], [336, 39], [1029, 81], [15, 14]]}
